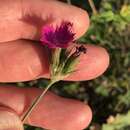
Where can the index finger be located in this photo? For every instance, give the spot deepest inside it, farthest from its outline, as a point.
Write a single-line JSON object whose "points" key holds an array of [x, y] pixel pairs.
{"points": [[24, 18]]}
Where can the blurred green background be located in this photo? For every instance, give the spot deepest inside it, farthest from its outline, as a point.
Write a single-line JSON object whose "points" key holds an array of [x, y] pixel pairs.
{"points": [[108, 95]]}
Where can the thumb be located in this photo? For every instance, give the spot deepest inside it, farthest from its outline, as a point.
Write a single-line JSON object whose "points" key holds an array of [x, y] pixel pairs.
{"points": [[9, 120]]}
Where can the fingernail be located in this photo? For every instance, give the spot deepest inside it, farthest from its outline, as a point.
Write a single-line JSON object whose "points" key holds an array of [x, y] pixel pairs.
{"points": [[9, 120]]}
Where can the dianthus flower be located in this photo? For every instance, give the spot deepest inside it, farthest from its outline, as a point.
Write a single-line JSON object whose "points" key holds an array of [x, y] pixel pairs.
{"points": [[59, 37]]}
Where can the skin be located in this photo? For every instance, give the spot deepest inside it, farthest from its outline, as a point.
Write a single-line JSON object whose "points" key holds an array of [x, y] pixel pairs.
{"points": [[26, 59]]}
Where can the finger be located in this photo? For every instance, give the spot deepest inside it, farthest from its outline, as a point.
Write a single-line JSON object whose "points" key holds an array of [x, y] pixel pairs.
{"points": [[9, 120], [50, 111], [24, 18], [26, 61], [91, 65]]}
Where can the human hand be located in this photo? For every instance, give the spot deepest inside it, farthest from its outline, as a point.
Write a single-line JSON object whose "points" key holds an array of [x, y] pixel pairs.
{"points": [[23, 60]]}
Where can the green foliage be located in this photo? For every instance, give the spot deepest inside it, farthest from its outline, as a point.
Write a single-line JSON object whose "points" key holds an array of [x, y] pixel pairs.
{"points": [[120, 122], [110, 94]]}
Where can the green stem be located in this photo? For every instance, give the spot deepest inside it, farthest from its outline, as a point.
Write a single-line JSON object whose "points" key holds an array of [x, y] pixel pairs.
{"points": [[69, 2], [91, 3], [35, 102]]}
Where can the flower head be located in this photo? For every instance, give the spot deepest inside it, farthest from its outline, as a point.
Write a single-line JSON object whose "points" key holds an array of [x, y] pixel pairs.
{"points": [[58, 37], [79, 49]]}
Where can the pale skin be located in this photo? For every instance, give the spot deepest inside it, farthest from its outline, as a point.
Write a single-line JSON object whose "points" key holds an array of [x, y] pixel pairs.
{"points": [[24, 60]]}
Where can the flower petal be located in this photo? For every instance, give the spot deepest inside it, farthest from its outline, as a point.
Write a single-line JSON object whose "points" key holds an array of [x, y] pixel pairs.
{"points": [[60, 37]]}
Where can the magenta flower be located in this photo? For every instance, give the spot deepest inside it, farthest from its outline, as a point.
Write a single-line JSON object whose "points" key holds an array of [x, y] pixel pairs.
{"points": [[58, 37]]}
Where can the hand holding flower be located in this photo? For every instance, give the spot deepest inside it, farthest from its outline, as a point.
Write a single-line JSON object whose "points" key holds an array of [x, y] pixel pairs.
{"points": [[23, 60]]}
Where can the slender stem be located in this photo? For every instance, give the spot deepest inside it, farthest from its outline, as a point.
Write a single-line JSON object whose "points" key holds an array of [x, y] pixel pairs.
{"points": [[35, 102], [92, 6], [126, 2], [69, 2]]}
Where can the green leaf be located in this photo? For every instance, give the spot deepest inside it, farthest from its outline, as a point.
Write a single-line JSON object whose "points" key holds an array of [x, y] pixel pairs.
{"points": [[70, 65], [107, 6], [125, 12], [107, 16], [63, 56]]}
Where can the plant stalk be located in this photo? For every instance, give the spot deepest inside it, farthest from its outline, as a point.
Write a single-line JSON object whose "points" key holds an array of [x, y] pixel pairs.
{"points": [[35, 102], [69, 2], [91, 3]]}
